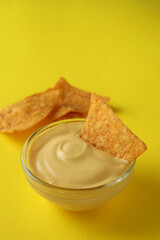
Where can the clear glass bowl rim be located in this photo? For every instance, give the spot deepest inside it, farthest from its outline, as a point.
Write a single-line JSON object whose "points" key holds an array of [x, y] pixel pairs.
{"points": [[35, 178]]}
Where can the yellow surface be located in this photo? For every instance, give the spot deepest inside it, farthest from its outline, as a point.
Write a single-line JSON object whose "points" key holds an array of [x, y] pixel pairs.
{"points": [[108, 47]]}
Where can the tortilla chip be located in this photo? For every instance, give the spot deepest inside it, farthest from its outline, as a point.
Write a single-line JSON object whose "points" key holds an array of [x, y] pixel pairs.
{"points": [[61, 102], [72, 99], [104, 130], [28, 112], [73, 115]]}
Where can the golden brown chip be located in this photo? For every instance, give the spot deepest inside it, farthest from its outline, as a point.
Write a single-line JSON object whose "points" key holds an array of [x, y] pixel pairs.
{"points": [[71, 99], [28, 112], [73, 115], [61, 102], [105, 130]]}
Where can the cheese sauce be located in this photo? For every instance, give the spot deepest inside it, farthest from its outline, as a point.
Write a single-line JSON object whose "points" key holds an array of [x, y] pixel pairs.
{"points": [[60, 157]]}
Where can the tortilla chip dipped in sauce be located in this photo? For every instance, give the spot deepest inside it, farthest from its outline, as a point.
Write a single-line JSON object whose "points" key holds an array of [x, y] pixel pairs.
{"points": [[83, 155], [61, 158], [104, 130]]}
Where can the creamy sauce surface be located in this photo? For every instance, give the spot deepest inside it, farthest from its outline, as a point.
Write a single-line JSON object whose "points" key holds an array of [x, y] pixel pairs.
{"points": [[60, 157]]}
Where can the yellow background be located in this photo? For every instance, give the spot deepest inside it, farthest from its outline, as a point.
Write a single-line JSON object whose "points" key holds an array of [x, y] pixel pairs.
{"points": [[108, 47]]}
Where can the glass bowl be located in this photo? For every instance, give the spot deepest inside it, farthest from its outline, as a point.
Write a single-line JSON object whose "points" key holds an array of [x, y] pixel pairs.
{"points": [[73, 199]]}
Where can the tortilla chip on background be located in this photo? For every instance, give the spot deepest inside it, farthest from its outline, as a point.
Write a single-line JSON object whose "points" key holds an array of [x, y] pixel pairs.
{"points": [[71, 115], [61, 102], [72, 100], [105, 130], [28, 112]]}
